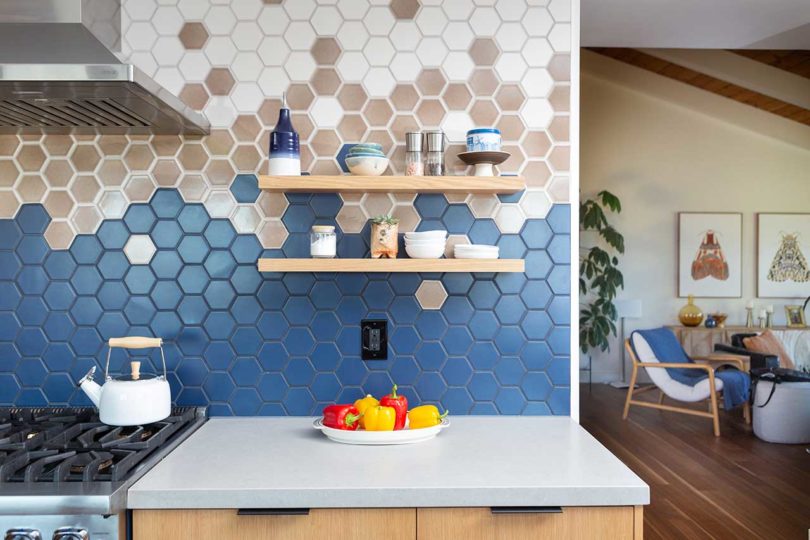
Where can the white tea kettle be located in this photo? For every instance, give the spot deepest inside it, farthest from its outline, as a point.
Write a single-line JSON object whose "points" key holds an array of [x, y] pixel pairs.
{"points": [[132, 399]]}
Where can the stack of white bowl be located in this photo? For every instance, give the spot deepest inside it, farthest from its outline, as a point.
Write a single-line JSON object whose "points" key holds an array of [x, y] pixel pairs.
{"points": [[470, 251], [425, 245]]}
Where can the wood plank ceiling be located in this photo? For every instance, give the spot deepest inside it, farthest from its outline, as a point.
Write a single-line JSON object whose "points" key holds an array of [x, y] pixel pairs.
{"points": [[797, 62]]}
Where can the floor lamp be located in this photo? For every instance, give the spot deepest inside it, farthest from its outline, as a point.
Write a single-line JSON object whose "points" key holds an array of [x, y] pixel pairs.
{"points": [[626, 309]]}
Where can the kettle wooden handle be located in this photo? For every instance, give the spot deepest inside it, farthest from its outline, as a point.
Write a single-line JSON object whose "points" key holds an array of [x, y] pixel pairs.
{"points": [[135, 342]]}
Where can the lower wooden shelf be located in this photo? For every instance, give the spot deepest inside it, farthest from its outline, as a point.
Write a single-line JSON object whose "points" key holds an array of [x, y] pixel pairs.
{"points": [[392, 265]]}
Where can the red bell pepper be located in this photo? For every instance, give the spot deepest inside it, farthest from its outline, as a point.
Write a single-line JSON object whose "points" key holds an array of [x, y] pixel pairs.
{"points": [[399, 404], [343, 417]]}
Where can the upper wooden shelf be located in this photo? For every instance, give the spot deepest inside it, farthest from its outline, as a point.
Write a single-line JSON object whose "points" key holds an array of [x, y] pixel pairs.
{"points": [[392, 184], [392, 265]]}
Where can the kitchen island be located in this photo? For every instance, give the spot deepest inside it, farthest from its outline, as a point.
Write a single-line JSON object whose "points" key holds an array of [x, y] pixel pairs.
{"points": [[251, 477]]}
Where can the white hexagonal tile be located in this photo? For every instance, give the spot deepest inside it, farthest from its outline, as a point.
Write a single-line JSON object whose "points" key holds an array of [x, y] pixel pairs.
{"points": [[352, 66], [431, 51], [353, 9], [220, 111], [379, 82], [431, 294], [456, 124], [140, 249], [273, 81], [485, 21], [537, 113], [220, 203], [512, 10], [144, 61], [510, 67], [537, 52], [113, 204], [273, 51], [168, 51], [300, 36], [194, 66], [300, 10], [509, 218], [559, 189], [170, 78], [535, 204], [352, 36], [220, 20], [560, 37], [246, 65], [273, 20], [326, 20], [537, 82], [560, 10], [483, 206], [458, 36], [458, 66], [220, 50], [405, 36], [458, 10], [326, 112], [245, 219], [300, 66], [247, 35], [246, 10], [379, 51], [167, 20], [85, 219], [141, 36], [511, 36], [405, 66], [379, 21], [193, 9], [247, 97], [537, 21], [431, 21]]}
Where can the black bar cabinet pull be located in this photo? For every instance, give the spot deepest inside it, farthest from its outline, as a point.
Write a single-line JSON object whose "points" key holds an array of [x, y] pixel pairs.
{"points": [[526, 510], [273, 512]]}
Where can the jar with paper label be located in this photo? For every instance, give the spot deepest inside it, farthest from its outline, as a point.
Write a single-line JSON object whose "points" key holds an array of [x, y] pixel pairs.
{"points": [[323, 242]]}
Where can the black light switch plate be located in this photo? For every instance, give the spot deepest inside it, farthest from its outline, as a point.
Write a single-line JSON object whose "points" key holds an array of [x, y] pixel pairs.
{"points": [[374, 339]]}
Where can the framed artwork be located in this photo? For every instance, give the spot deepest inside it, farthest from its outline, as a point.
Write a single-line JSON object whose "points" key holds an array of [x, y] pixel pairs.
{"points": [[795, 316], [710, 254], [783, 255]]}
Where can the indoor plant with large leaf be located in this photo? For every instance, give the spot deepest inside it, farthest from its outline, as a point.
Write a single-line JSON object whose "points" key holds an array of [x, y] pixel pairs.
{"points": [[599, 275]]}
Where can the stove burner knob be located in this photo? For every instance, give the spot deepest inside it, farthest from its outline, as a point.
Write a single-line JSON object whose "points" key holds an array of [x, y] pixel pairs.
{"points": [[23, 533], [71, 533]]}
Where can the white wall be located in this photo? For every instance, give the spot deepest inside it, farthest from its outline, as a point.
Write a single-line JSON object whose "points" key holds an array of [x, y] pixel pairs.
{"points": [[664, 147]]}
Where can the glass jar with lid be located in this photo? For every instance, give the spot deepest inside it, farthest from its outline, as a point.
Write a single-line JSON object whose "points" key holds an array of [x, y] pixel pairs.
{"points": [[323, 242], [434, 158], [414, 166]]}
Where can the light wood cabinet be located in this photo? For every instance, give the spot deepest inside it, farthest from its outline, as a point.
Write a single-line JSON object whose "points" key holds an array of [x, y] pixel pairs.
{"points": [[615, 522], [334, 524]]}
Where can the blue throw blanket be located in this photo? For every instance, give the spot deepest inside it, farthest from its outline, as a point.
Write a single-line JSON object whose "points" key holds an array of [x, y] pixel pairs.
{"points": [[666, 348]]}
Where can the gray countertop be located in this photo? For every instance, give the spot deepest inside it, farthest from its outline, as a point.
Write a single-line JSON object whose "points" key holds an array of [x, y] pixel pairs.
{"points": [[477, 461]]}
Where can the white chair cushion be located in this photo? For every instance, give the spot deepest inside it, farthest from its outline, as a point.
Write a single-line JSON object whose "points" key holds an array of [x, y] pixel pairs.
{"points": [[672, 388], [797, 345]]}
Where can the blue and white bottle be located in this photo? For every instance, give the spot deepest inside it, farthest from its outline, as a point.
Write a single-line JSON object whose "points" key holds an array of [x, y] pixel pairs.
{"points": [[285, 152]]}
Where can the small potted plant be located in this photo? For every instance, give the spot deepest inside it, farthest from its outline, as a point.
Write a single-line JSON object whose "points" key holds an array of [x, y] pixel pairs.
{"points": [[384, 237]]}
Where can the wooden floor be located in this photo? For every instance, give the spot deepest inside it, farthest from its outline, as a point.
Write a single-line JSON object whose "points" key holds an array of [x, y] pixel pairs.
{"points": [[701, 486]]}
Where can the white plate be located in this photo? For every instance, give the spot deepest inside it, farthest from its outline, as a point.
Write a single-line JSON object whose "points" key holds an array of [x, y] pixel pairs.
{"points": [[461, 255], [402, 436]]}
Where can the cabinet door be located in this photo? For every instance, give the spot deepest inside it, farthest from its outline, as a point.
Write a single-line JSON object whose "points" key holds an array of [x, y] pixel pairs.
{"points": [[220, 524], [615, 522]]}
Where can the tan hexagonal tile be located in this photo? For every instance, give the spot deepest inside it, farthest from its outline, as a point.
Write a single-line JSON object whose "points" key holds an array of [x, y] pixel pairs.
{"points": [[85, 137], [113, 145], [299, 96], [139, 157], [483, 82], [246, 219], [193, 157], [86, 219], [325, 143], [352, 97], [112, 172], [140, 188], [55, 145], [560, 158], [219, 172], [325, 81], [404, 197], [272, 234], [404, 97], [484, 113], [408, 217], [9, 204], [454, 240], [9, 172], [246, 158], [194, 95], [560, 98], [325, 167], [246, 128], [457, 198], [219, 143], [303, 124], [59, 234], [30, 188], [516, 159], [536, 173], [352, 127], [268, 111], [220, 81], [509, 218], [381, 137], [510, 98], [511, 126], [325, 51], [272, 205], [10, 143], [58, 173], [220, 203], [85, 188], [30, 157], [193, 188], [351, 218], [431, 82], [402, 124], [351, 197], [457, 96], [377, 204], [404, 9], [59, 203], [560, 67], [397, 158], [560, 128], [484, 52], [113, 204], [537, 144], [85, 158], [166, 145], [431, 294], [378, 112], [166, 172], [193, 35]]}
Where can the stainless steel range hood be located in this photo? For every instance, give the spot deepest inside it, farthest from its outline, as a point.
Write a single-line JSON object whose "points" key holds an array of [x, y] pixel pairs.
{"points": [[57, 76]]}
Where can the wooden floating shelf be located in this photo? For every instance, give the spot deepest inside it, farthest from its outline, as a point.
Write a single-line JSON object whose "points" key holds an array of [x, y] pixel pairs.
{"points": [[392, 265], [392, 184]]}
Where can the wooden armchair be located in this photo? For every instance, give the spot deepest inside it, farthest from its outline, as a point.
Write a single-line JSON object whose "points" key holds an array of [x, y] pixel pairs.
{"points": [[707, 390]]}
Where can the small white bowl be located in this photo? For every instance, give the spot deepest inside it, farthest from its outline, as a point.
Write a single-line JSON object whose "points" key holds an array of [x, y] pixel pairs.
{"points": [[426, 234], [425, 252], [367, 165], [441, 241]]}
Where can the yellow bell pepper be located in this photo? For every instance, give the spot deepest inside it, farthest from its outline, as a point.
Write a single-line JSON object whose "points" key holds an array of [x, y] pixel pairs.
{"points": [[425, 416], [380, 418], [364, 403]]}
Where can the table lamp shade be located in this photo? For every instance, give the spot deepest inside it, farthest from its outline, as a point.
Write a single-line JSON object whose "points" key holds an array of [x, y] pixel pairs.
{"points": [[628, 308]]}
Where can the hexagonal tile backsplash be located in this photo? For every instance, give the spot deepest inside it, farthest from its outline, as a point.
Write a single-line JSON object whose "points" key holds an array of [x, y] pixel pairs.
{"points": [[113, 234]]}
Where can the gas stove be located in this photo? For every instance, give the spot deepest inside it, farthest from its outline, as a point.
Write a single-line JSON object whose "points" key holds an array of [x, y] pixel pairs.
{"points": [[64, 474]]}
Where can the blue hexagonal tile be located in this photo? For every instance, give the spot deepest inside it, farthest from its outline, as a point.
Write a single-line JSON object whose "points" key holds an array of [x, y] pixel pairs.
{"points": [[352, 246], [299, 372], [10, 234], [538, 264], [32, 219], [272, 325], [378, 383], [31, 342], [193, 249], [112, 295], [509, 340], [32, 249], [560, 249], [32, 280], [166, 264], [113, 234], [484, 294], [219, 325], [58, 326], [272, 387], [560, 310], [559, 218], [246, 341], [431, 324], [536, 408], [299, 402], [166, 203], [457, 310], [31, 371], [273, 356], [509, 370], [510, 401], [298, 218], [139, 218], [536, 355], [457, 400], [246, 372], [10, 265], [404, 283], [58, 357], [325, 295], [9, 326], [139, 279], [325, 387], [299, 341], [245, 402], [166, 295], [112, 324], [166, 324], [192, 341], [510, 309], [348, 340], [246, 310], [405, 310], [9, 296], [220, 264], [193, 279], [245, 188], [218, 386], [378, 295], [113, 265], [559, 371], [431, 356], [560, 279], [404, 340], [193, 218], [219, 355], [139, 310], [246, 249], [298, 283], [326, 205], [190, 397], [86, 311], [560, 401], [299, 310], [351, 283], [58, 265], [457, 282], [86, 280], [457, 371], [351, 371], [59, 295], [511, 246], [220, 233], [272, 294], [351, 310], [536, 294], [484, 231], [86, 342], [166, 234], [559, 340], [458, 219], [31, 397], [246, 279], [430, 386], [192, 309], [430, 205], [457, 341]]}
